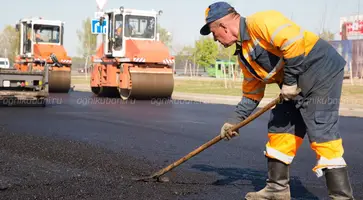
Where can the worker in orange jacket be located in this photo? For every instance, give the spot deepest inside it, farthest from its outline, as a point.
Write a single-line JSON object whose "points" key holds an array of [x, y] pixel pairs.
{"points": [[273, 49]]}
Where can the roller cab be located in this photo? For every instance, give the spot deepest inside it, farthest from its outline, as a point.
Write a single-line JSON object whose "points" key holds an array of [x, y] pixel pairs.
{"points": [[130, 61], [41, 43]]}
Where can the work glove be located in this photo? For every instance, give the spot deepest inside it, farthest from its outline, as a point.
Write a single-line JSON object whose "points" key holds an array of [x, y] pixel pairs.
{"points": [[226, 133], [288, 92]]}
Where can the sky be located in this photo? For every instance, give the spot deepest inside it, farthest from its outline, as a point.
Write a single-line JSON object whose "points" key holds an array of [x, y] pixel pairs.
{"points": [[183, 18]]}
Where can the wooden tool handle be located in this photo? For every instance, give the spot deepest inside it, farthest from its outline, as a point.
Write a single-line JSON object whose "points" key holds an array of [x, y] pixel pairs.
{"points": [[216, 139]]}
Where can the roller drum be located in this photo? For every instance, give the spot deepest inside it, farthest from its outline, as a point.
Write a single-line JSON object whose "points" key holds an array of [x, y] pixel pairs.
{"points": [[59, 81], [149, 85]]}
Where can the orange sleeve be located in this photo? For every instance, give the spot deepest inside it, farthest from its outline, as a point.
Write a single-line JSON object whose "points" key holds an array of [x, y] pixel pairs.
{"points": [[252, 88]]}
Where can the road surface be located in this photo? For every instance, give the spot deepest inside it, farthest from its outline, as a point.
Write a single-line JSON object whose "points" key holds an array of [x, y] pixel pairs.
{"points": [[79, 147]]}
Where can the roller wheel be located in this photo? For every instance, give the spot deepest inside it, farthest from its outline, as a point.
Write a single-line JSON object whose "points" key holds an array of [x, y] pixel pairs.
{"points": [[59, 81], [146, 86], [111, 92], [96, 90]]}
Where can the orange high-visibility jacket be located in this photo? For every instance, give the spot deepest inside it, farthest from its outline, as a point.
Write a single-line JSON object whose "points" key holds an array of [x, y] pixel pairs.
{"points": [[271, 46]]}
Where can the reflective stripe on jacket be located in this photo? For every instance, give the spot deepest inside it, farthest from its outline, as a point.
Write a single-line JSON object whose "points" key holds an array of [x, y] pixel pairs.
{"points": [[271, 46]]}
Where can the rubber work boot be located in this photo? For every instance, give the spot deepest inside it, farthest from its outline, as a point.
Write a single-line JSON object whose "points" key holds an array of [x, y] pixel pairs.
{"points": [[338, 184], [277, 184]]}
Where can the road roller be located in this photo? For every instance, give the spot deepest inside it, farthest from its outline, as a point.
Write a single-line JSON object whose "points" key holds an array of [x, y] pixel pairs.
{"points": [[131, 62], [41, 44], [23, 87]]}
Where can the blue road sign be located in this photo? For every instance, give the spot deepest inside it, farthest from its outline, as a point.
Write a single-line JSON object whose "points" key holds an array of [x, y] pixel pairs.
{"points": [[97, 28]]}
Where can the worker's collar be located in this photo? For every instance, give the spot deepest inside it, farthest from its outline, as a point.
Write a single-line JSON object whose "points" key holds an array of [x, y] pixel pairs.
{"points": [[243, 35]]}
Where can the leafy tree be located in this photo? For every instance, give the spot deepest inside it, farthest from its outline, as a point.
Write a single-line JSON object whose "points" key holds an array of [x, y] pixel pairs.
{"points": [[165, 36], [88, 41], [206, 51], [9, 41], [227, 53], [187, 53]]}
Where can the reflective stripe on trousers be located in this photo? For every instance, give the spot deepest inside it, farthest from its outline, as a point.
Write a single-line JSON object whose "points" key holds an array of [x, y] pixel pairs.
{"points": [[284, 146]]}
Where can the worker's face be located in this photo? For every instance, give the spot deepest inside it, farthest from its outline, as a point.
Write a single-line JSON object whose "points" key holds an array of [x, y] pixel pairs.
{"points": [[222, 34]]}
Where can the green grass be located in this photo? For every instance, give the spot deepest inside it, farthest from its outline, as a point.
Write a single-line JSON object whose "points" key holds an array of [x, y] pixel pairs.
{"points": [[217, 87], [351, 94], [349, 90]]}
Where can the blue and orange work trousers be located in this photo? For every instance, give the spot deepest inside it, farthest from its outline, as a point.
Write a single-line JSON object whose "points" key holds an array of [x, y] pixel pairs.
{"points": [[314, 113]]}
